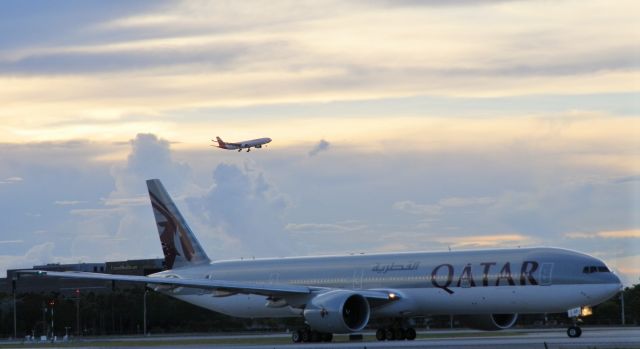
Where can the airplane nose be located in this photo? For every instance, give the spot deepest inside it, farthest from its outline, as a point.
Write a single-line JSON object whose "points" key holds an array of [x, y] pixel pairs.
{"points": [[617, 281]]}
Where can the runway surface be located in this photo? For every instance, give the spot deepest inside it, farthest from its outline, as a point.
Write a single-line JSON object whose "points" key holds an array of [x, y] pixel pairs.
{"points": [[539, 339]]}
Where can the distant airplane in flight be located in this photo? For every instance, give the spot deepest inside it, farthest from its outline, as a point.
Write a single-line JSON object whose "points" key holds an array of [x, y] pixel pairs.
{"points": [[486, 289], [254, 143]]}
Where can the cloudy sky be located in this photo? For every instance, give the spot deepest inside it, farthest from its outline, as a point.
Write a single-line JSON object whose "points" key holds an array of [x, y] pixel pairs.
{"points": [[397, 125]]}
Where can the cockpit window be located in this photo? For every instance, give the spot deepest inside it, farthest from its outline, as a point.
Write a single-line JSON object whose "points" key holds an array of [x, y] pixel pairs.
{"points": [[595, 269]]}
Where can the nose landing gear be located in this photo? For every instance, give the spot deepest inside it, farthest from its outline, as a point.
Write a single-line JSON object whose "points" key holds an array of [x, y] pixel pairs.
{"points": [[574, 331]]}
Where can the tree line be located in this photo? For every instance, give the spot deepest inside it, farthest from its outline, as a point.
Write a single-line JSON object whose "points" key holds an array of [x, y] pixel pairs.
{"points": [[120, 312]]}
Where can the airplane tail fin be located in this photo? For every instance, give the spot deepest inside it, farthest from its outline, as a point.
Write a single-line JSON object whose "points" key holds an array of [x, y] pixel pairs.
{"points": [[179, 244], [221, 143]]}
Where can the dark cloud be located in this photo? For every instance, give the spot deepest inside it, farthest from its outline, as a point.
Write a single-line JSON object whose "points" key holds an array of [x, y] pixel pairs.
{"points": [[213, 58], [321, 146], [627, 179], [32, 23]]}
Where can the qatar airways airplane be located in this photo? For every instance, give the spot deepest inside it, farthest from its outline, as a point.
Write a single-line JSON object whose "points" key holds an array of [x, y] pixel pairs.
{"points": [[254, 143], [486, 289]]}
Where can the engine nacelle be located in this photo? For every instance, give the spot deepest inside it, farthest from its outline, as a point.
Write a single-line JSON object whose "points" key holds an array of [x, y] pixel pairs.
{"points": [[489, 322], [338, 311]]}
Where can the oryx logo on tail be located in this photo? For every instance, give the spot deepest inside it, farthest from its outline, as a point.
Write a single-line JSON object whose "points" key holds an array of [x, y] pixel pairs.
{"points": [[179, 245]]}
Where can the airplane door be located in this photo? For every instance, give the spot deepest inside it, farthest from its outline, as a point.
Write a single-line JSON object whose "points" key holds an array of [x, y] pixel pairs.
{"points": [[545, 274], [357, 279], [274, 278]]}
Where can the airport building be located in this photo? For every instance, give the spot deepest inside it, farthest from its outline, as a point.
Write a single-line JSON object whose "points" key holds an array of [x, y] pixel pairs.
{"points": [[28, 283]]}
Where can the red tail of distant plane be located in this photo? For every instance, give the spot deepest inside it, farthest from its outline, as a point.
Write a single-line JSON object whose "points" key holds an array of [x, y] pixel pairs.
{"points": [[221, 143]]}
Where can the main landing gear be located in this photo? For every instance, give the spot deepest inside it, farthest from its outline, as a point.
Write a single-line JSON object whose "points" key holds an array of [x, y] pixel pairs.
{"points": [[396, 333], [308, 336]]}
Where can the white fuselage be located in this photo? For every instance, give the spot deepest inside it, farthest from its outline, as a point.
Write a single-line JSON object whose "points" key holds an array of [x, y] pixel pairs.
{"points": [[542, 280], [254, 143]]}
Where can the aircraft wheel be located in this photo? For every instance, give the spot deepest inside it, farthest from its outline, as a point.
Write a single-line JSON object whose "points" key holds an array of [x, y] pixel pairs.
{"points": [[380, 334], [315, 336], [399, 334], [296, 336], [410, 333], [327, 337], [574, 332], [388, 333], [305, 336]]}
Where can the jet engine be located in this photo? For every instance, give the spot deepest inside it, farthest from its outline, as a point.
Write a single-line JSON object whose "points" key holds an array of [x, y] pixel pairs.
{"points": [[489, 322], [338, 311]]}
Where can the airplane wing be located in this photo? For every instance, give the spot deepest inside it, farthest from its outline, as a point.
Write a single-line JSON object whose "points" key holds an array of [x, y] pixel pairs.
{"points": [[232, 286], [209, 284]]}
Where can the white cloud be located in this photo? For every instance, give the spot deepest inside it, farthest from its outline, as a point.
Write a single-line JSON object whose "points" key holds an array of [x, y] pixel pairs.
{"points": [[438, 208], [37, 254], [247, 206], [484, 241], [11, 180], [245, 211], [150, 157], [418, 209], [611, 234], [68, 202], [322, 228], [131, 201], [323, 145]]}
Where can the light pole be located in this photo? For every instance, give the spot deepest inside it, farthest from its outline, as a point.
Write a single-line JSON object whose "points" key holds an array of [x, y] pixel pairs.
{"points": [[52, 303], [77, 312], [144, 323], [15, 325], [622, 307], [45, 330]]}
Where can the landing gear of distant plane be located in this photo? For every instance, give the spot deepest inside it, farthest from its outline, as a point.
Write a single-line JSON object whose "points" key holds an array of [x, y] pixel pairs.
{"points": [[396, 333], [239, 150], [308, 336], [248, 150], [574, 331]]}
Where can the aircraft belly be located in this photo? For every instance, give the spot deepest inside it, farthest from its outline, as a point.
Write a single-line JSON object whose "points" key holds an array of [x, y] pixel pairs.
{"points": [[483, 300], [246, 306], [433, 301]]}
